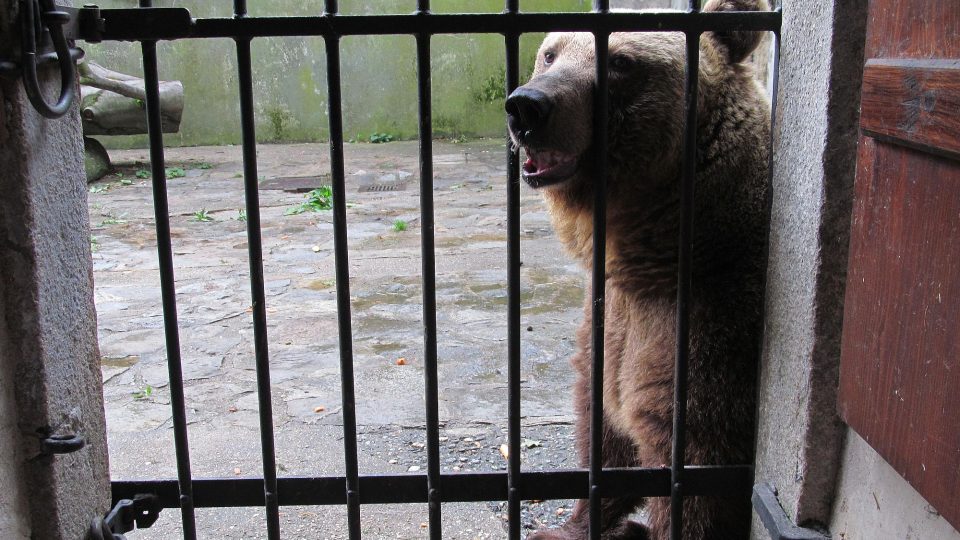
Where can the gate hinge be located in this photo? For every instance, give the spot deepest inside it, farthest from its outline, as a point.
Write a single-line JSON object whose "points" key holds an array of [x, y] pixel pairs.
{"points": [[62, 444], [775, 520], [140, 513]]}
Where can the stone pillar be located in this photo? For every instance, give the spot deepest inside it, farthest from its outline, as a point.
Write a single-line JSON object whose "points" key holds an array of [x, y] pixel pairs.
{"points": [[50, 382], [800, 436]]}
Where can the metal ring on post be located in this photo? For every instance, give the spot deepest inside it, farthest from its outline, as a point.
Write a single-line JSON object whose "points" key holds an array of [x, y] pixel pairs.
{"points": [[53, 21]]}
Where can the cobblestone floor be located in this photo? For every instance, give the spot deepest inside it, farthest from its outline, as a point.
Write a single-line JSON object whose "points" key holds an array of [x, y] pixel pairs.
{"points": [[211, 265]]}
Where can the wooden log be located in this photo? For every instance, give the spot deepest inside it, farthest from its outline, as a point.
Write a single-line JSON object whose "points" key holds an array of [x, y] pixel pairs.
{"points": [[113, 103]]}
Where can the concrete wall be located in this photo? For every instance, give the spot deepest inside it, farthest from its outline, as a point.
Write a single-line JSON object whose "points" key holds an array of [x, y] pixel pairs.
{"points": [[50, 380], [378, 73], [799, 433], [825, 474], [874, 501]]}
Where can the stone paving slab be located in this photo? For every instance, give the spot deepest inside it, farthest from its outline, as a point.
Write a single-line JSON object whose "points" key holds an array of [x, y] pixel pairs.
{"points": [[216, 330]]}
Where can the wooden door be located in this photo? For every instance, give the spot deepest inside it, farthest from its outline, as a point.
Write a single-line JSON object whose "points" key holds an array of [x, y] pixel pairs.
{"points": [[900, 360]]}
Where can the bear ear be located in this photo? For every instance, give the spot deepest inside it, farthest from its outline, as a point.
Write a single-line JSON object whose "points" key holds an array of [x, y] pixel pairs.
{"points": [[737, 45]]}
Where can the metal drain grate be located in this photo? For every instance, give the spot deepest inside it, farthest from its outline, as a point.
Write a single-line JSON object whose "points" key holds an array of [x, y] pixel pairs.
{"points": [[295, 184], [373, 182]]}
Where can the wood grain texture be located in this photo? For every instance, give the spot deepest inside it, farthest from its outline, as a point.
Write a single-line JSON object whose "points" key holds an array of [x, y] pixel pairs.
{"points": [[900, 355], [900, 369], [913, 29], [914, 102]]}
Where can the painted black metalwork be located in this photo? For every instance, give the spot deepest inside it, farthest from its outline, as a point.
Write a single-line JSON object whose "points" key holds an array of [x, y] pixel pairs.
{"points": [[599, 278], [514, 435], [258, 297], [688, 177], [428, 261], [62, 444], [352, 491], [148, 24], [167, 285], [140, 512], [176, 23], [42, 15], [456, 487]]}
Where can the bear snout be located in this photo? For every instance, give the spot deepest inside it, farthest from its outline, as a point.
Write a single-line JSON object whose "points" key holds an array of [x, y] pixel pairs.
{"points": [[528, 113]]}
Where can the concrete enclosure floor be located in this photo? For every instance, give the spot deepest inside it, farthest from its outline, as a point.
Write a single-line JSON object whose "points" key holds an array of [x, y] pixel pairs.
{"points": [[208, 227]]}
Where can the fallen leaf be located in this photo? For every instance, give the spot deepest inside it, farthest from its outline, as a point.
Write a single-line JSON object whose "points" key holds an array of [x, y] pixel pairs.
{"points": [[319, 409], [530, 443], [401, 361]]}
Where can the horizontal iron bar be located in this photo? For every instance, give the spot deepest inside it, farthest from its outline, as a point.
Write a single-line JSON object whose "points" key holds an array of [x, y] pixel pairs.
{"points": [[133, 24], [461, 487]]}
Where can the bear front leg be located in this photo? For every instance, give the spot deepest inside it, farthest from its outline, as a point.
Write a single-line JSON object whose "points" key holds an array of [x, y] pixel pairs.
{"points": [[618, 451]]}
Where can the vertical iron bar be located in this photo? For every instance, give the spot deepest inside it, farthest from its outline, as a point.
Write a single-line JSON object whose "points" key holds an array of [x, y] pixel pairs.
{"points": [[512, 45], [600, 104], [424, 97], [689, 171], [258, 297], [168, 285], [335, 114]]}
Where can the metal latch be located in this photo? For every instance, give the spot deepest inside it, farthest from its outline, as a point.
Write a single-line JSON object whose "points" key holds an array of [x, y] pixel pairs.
{"points": [[140, 513], [775, 520], [44, 30]]}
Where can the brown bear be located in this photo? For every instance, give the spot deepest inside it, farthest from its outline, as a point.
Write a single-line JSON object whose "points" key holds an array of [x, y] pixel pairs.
{"points": [[551, 119]]}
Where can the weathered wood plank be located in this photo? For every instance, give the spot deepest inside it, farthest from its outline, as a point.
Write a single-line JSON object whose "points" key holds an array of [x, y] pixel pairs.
{"points": [[900, 370], [913, 102]]}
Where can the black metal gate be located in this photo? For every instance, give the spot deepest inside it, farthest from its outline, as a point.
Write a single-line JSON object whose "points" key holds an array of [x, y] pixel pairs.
{"points": [[148, 25]]}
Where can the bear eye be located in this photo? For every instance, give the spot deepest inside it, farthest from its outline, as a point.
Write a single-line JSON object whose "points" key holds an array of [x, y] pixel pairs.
{"points": [[620, 63], [549, 57]]}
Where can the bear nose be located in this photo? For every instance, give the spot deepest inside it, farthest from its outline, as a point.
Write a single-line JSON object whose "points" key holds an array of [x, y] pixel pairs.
{"points": [[528, 110]]}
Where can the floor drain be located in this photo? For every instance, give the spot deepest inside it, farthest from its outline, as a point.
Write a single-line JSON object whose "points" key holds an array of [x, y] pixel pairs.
{"points": [[296, 184], [372, 182]]}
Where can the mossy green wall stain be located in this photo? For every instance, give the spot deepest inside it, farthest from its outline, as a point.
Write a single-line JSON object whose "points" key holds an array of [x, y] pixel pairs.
{"points": [[379, 75]]}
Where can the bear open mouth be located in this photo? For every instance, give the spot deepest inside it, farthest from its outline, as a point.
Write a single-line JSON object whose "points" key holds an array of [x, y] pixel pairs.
{"points": [[544, 167]]}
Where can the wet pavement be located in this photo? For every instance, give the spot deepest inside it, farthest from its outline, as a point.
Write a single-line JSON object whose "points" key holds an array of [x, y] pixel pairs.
{"points": [[209, 235]]}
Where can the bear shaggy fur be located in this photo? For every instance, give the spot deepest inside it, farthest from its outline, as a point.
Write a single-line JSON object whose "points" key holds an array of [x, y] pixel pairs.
{"points": [[551, 119]]}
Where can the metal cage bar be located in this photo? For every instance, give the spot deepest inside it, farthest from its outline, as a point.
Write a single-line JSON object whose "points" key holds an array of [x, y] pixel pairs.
{"points": [[176, 23], [457, 487], [514, 435], [258, 296], [688, 178], [428, 261], [352, 491], [168, 285], [599, 277]]}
